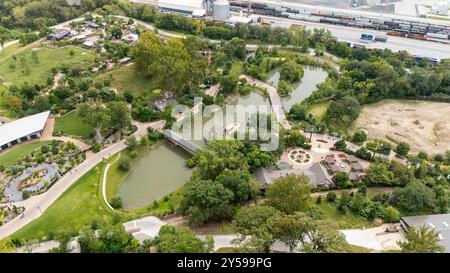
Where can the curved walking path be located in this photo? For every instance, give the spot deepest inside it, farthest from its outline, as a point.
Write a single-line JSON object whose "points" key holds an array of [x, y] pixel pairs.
{"points": [[36, 205], [275, 99]]}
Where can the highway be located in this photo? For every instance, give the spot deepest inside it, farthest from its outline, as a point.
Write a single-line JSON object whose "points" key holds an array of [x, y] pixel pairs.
{"points": [[351, 12], [349, 34]]}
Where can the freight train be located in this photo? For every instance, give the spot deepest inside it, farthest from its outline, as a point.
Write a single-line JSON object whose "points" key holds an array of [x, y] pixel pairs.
{"points": [[393, 27]]}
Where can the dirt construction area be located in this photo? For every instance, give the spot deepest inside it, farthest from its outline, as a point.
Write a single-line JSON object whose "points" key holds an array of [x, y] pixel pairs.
{"points": [[424, 125]]}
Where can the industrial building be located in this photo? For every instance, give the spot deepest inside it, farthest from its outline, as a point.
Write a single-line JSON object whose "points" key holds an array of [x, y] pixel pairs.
{"points": [[23, 129], [219, 9], [190, 7]]}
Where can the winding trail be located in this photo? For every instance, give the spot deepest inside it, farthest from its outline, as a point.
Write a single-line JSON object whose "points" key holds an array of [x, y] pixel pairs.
{"points": [[36, 205], [274, 97]]}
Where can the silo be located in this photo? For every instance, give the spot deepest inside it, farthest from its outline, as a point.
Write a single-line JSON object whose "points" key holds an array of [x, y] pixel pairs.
{"points": [[221, 10]]}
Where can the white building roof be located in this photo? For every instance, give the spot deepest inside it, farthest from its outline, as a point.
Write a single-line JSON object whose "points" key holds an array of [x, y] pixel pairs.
{"points": [[199, 13], [182, 5], [22, 127], [239, 19]]}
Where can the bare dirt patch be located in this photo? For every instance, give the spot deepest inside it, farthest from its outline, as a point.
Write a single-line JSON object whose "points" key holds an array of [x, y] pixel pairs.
{"points": [[424, 125]]}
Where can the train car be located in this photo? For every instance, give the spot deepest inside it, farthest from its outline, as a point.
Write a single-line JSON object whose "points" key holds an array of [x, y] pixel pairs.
{"points": [[395, 33], [318, 14], [438, 36], [313, 19], [344, 21], [391, 25], [330, 20], [416, 37]]}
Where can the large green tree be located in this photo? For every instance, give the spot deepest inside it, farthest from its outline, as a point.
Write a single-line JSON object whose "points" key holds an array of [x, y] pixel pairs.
{"points": [[205, 200], [289, 193], [95, 115], [181, 240], [421, 240]]}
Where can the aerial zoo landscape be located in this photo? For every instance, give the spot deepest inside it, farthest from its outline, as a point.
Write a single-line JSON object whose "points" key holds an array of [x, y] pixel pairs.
{"points": [[215, 126]]}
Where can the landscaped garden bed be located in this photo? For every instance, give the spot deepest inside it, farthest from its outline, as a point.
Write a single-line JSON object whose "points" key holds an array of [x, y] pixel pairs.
{"points": [[37, 171]]}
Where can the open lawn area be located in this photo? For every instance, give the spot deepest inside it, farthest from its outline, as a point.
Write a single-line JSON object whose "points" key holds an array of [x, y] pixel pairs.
{"points": [[11, 157], [125, 78], [34, 64], [319, 110], [330, 212], [9, 50], [71, 124], [77, 207]]}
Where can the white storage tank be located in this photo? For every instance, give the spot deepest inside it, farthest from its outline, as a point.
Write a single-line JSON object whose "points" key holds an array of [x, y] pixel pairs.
{"points": [[221, 10]]}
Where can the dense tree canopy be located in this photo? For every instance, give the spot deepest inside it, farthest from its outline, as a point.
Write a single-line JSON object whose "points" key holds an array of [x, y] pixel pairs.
{"points": [[181, 240]]}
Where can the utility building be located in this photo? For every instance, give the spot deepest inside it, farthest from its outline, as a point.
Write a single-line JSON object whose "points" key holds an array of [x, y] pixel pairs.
{"points": [[182, 6]]}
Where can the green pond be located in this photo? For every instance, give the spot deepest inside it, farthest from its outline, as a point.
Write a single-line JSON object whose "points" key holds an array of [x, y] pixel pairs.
{"points": [[158, 173], [162, 170], [303, 89]]}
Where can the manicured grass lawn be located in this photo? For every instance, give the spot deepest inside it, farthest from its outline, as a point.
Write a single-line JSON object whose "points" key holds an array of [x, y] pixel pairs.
{"points": [[319, 110], [114, 178], [11, 157], [125, 78], [36, 67], [236, 68], [71, 124], [345, 221], [77, 207]]}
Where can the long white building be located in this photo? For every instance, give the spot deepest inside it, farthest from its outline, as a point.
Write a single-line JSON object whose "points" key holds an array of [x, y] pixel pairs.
{"points": [[181, 6], [23, 129]]}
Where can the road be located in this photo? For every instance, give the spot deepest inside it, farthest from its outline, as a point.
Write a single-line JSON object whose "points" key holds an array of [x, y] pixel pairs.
{"points": [[349, 34], [350, 12], [36, 205]]}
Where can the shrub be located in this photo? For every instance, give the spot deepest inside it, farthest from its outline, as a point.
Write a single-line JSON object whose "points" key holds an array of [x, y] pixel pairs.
{"points": [[26, 194], [125, 163], [331, 197], [55, 150], [359, 137], [402, 148], [319, 199], [96, 147], [44, 149], [391, 215], [116, 202]]}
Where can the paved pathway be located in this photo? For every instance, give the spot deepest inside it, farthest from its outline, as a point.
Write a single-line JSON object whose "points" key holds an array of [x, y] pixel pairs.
{"points": [[36, 205], [275, 100]]}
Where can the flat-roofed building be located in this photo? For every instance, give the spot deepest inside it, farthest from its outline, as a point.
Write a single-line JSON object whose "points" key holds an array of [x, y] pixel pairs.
{"points": [[59, 34], [181, 6], [23, 129]]}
